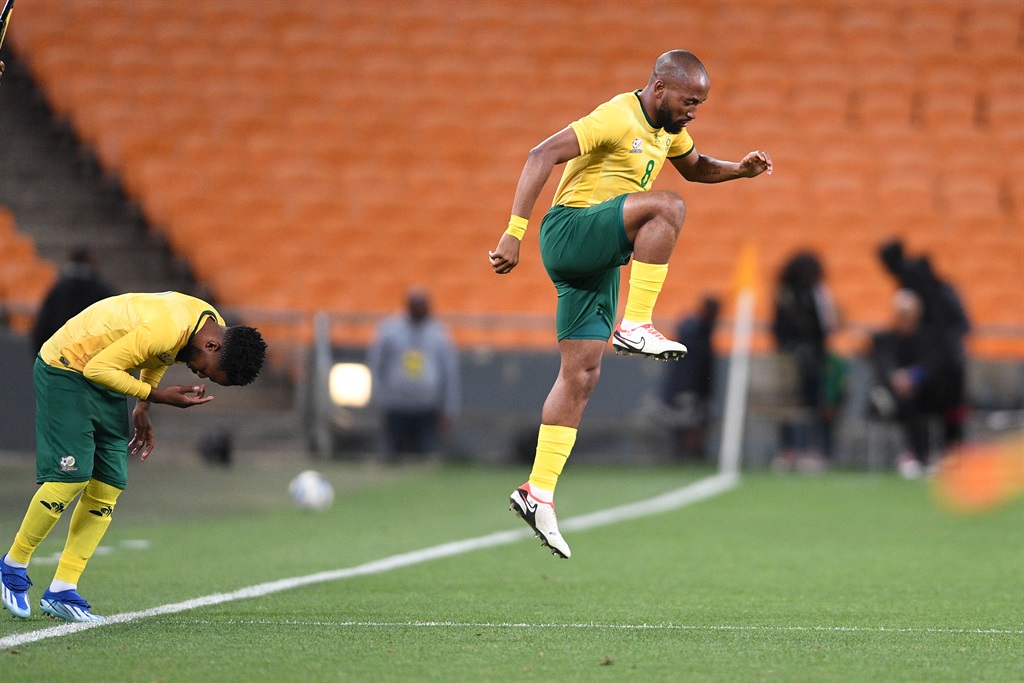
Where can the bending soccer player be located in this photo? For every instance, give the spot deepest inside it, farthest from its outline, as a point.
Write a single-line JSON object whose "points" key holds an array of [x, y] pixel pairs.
{"points": [[604, 213], [81, 376]]}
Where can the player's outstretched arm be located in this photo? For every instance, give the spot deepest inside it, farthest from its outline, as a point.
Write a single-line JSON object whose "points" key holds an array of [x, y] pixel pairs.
{"points": [[557, 149], [699, 168], [180, 396]]}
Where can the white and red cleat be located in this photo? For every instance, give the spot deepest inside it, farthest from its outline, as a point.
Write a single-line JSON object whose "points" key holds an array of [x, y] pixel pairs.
{"points": [[541, 518], [644, 340]]}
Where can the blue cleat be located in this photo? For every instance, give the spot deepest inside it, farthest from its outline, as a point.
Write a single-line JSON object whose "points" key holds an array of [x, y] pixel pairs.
{"points": [[15, 589], [68, 605]]}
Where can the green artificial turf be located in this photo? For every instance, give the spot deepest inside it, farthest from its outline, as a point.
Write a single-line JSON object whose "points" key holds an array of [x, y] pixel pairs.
{"points": [[842, 577]]}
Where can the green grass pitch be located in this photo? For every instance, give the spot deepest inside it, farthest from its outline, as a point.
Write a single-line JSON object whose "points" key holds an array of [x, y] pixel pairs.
{"points": [[842, 577]]}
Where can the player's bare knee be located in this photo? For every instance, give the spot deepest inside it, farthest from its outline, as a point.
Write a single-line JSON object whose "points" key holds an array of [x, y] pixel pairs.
{"points": [[673, 209], [583, 379]]}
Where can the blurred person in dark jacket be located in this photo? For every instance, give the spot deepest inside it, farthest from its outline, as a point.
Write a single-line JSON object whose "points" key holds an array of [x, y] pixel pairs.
{"points": [[78, 287], [687, 387], [916, 375], [805, 315], [943, 317]]}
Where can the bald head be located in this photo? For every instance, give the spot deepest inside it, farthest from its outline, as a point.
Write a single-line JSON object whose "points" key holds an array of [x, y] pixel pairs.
{"points": [[678, 85], [906, 308], [679, 67]]}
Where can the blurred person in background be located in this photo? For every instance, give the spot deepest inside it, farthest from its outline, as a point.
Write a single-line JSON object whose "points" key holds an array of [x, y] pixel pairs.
{"points": [[686, 390], [81, 377], [78, 286], [603, 215], [916, 377], [943, 316], [416, 384], [805, 315]]}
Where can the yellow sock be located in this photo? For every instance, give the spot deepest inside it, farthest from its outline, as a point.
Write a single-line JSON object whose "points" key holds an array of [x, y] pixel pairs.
{"points": [[50, 501], [645, 281], [88, 524], [554, 443]]}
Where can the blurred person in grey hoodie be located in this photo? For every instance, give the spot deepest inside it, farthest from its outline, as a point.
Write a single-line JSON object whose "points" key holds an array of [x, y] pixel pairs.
{"points": [[415, 373]]}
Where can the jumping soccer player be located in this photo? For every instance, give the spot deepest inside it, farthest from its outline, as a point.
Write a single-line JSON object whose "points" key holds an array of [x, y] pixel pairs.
{"points": [[81, 376], [603, 213]]}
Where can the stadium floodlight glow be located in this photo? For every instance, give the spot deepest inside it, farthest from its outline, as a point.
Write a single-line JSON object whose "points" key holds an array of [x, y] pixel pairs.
{"points": [[350, 385]]}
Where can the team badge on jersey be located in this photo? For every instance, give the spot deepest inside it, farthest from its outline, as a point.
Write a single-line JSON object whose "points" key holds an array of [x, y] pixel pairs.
{"points": [[637, 146]]}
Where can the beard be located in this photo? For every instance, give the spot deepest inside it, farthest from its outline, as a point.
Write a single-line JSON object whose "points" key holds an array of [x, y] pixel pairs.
{"points": [[665, 121]]}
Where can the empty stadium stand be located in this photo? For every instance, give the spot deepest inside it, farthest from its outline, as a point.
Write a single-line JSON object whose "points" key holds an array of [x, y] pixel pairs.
{"points": [[24, 277], [310, 156]]}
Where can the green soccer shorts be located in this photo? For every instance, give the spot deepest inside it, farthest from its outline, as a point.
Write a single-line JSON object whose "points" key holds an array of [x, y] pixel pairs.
{"points": [[81, 429], [582, 251]]}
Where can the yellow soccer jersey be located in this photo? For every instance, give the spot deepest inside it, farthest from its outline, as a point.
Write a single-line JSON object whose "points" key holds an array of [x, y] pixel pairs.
{"points": [[620, 152], [128, 332]]}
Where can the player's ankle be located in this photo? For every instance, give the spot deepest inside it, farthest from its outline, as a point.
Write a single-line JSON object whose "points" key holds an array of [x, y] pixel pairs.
{"points": [[630, 325], [543, 495]]}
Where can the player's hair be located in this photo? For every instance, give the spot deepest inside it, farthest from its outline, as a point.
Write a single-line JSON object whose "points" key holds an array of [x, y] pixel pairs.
{"points": [[242, 354]]}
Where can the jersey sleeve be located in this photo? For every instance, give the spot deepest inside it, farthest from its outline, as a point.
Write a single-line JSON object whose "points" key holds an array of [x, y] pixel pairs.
{"points": [[152, 376], [605, 125], [110, 367], [681, 145]]}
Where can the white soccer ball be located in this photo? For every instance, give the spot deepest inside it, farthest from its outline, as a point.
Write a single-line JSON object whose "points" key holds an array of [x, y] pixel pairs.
{"points": [[310, 491]]}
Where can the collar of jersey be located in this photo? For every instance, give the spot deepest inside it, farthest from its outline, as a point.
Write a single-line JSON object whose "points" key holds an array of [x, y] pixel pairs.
{"points": [[202, 319], [644, 111]]}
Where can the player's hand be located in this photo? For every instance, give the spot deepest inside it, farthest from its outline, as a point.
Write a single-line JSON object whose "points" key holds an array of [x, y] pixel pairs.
{"points": [[756, 163], [142, 443], [506, 255], [180, 396]]}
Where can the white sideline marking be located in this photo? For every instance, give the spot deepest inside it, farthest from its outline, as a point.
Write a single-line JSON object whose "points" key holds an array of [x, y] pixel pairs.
{"points": [[699, 490], [54, 558], [609, 627]]}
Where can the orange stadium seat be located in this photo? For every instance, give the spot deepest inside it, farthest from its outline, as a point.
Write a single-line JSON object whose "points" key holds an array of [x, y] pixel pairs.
{"points": [[994, 28], [901, 192], [24, 276], [884, 102], [932, 29], [816, 111], [948, 93], [867, 31], [1005, 110]]}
